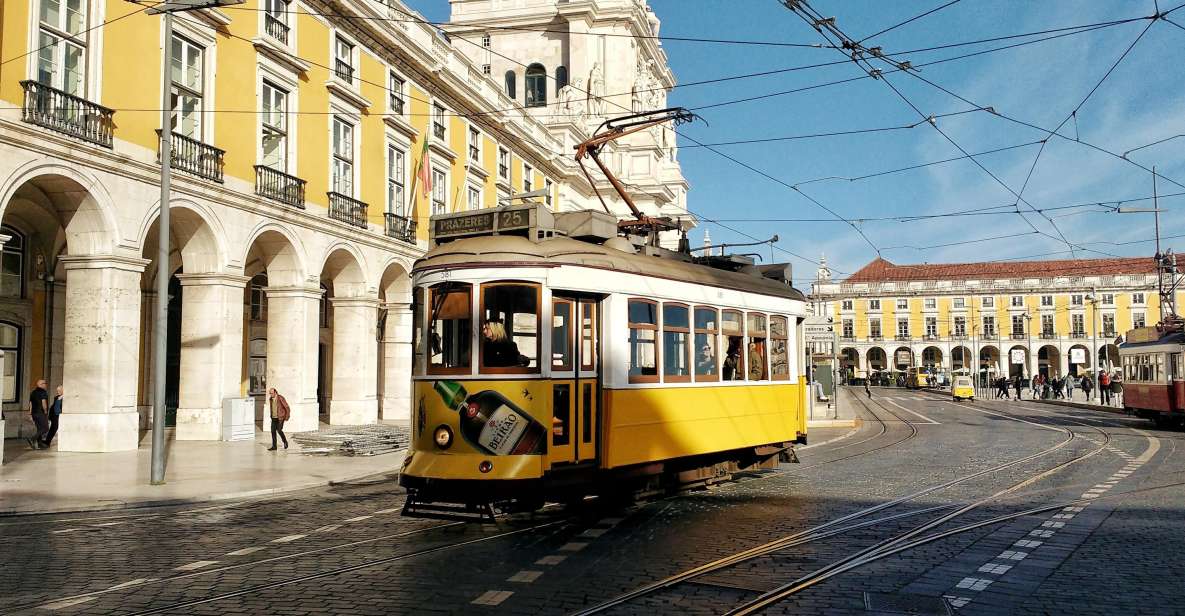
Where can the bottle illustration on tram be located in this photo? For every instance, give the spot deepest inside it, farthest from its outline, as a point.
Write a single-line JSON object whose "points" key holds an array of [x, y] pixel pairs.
{"points": [[492, 423]]}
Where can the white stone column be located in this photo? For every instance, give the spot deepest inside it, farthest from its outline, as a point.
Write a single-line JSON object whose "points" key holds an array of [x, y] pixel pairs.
{"points": [[397, 364], [355, 361], [101, 360], [292, 330], [211, 352]]}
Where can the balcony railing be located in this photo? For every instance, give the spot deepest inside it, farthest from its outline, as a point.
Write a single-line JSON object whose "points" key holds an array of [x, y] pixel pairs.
{"points": [[280, 186], [275, 28], [347, 209], [66, 113], [1108, 333], [876, 338], [1077, 334], [400, 228], [343, 70], [438, 130], [903, 338], [193, 156], [990, 334], [503, 171], [1048, 336], [959, 337], [1017, 336], [930, 337], [847, 338], [397, 104]]}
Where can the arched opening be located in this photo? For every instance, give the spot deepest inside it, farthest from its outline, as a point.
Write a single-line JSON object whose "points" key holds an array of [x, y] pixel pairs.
{"points": [[561, 78], [1049, 362], [849, 362], [1108, 357], [348, 357], [932, 358], [960, 360], [396, 336], [902, 359], [511, 89], [51, 218], [1018, 362], [1078, 363], [536, 85], [989, 365]]}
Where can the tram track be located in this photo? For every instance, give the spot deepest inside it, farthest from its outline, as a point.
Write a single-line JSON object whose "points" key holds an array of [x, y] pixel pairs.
{"points": [[828, 529]]}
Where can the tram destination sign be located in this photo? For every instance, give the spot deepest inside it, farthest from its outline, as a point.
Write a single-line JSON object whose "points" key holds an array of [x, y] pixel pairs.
{"points": [[481, 223]]}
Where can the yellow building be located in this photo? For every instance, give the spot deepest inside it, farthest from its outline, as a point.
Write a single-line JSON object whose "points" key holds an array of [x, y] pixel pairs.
{"points": [[1016, 317], [298, 130]]}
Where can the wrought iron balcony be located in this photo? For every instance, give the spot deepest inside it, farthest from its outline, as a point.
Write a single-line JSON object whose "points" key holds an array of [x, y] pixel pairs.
{"points": [[343, 70], [930, 337], [347, 209], [1048, 336], [280, 186], [438, 130], [1018, 336], [397, 104], [1108, 333], [903, 338], [847, 338], [193, 156], [990, 334], [400, 228], [876, 338], [503, 171], [67, 114], [959, 337], [275, 28], [1077, 334]]}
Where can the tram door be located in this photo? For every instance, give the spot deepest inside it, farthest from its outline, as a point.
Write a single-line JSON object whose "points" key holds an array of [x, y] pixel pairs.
{"points": [[575, 380]]}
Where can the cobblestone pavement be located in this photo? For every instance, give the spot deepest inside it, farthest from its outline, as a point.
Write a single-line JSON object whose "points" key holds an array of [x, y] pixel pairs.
{"points": [[1091, 524]]}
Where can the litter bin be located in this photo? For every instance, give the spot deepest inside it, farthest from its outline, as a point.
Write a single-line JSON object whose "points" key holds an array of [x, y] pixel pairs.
{"points": [[238, 419]]}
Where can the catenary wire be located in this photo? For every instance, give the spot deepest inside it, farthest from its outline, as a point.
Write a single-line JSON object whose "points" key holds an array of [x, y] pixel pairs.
{"points": [[907, 21]]}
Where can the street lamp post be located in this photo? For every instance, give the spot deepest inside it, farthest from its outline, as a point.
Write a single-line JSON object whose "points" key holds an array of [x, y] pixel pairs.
{"points": [[1029, 344], [1094, 339], [163, 273]]}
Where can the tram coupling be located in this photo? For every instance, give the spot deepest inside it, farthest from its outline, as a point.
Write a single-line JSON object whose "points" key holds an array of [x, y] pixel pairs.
{"points": [[413, 507]]}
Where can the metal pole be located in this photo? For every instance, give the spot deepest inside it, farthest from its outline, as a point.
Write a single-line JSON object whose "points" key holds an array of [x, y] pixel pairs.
{"points": [[161, 326], [835, 355], [1094, 342]]}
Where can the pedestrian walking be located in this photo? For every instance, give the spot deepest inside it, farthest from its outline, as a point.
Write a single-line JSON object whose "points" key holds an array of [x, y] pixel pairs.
{"points": [[39, 412], [867, 390], [1057, 388], [1069, 387], [1087, 386], [1018, 383], [55, 413], [1105, 387], [280, 413]]}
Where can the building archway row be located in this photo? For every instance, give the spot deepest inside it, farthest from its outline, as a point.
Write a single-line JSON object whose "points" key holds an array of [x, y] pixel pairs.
{"points": [[1044, 357], [81, 297]]}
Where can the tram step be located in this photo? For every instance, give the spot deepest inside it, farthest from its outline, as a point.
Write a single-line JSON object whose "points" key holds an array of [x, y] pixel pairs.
{"points": [[448, 511]]}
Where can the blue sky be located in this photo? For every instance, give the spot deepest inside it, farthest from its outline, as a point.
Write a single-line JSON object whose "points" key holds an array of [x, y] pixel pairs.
{"points": [[1142, 101]]}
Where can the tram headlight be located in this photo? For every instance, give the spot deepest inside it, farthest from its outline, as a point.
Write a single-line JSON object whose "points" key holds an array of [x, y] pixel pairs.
{"points": [[443, 435]]}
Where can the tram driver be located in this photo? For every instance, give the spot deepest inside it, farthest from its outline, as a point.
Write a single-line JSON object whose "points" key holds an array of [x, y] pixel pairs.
{"points": [[499, 350]]}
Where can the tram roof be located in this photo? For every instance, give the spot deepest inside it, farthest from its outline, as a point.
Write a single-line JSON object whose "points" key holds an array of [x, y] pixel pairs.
{"points": [[509, 250]]}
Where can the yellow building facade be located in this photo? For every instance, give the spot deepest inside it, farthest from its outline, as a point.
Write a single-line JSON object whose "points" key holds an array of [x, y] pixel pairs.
{"points": [[311, 143], [992, 319]]}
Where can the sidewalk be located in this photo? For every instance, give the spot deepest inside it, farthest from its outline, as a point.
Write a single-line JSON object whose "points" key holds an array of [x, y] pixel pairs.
{"points": [[1084, 405], [196, 471]]}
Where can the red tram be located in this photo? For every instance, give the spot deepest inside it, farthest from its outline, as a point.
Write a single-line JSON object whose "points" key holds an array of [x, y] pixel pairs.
{"points": [[1153, 360]]}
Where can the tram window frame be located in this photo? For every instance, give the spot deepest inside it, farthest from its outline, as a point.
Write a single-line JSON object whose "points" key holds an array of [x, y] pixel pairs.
{"points": [[566, 365], [634, 340], [588, 357], [419, 361], [763, 347], [711, 334], [1176, 367], [511, 334], [784, 339], [739, 367], [465, 337], [685, 330]]}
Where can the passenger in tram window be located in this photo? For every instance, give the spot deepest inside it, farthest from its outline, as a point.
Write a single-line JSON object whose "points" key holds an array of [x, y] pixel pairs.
{"points": [[705, 363], [500, 351], [756, 361], [732, 359]]}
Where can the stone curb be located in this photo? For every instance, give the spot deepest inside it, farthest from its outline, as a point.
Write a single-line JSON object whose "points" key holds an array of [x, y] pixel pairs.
{"points": [[167, 502], [831, 423], [1082, 405]]}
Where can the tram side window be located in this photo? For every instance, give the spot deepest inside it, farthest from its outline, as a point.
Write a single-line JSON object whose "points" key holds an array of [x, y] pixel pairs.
{"points": [[510, 328], [643, 316], [733, 328], [417, 325], [706, 328], [757, 347], [779, 354], [1177, 366], [561, 335], [450, 325], [676, 349]]}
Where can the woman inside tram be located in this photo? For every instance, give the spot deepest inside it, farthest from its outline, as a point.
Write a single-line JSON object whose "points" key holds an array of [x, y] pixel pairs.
{"points": [[499, 350]]}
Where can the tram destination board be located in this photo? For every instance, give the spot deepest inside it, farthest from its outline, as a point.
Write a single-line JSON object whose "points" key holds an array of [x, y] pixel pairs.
{"points": [[480, 223]]}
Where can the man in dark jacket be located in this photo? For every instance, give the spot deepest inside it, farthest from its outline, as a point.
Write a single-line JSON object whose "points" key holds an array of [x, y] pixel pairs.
{"points": [[280, 413], [39, 411]]}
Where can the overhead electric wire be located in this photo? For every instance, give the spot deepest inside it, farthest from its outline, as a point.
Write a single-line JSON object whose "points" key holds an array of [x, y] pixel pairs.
{"points": [[861, 131], [86, 31], [907, 21]]}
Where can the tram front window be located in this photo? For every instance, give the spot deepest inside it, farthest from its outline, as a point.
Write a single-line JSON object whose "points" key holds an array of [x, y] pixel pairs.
{"points": [[449, 328], [510, 327]]}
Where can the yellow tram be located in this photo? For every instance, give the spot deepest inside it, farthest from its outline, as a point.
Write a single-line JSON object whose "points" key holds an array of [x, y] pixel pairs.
{"points": [[553, 359]]}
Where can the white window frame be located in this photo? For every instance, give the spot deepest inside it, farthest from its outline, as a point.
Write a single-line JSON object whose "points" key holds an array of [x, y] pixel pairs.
{"points": [[473, 139], [335, 37], [1017, 301], [269, 71], [528, 176], [285, 164], [989, 331], [874, 304], [1108, 299], [960, 327], [874, 328], [439, 174], [1076, 299], [392, 171], [396, 91], [503, 155], [930, 303], [83, 40], [1139, 319], [201, 36], [845, 304], [1079, 319], [1138, 299], [287, 17], [470, 189], [353, 123], [549, 186], [902, 304], [1046, 301], [959, 303], [987, 301], [1047, 319]]}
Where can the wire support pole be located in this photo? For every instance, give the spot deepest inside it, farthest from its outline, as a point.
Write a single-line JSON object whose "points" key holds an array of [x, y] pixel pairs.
{"points": [[161, 320]]}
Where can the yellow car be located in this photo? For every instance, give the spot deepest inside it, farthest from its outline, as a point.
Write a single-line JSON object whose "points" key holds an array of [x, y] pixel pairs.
{"points": [[962, 388]]}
